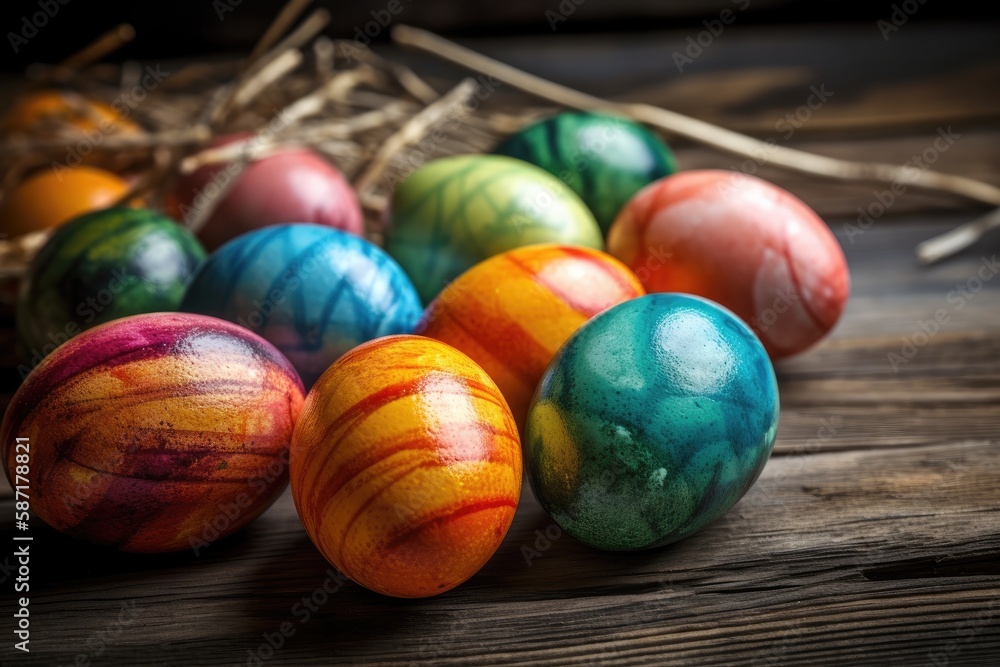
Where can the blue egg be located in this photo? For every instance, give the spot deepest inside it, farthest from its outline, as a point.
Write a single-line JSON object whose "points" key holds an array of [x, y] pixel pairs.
{"points": [[314, 292], [651, 421]]}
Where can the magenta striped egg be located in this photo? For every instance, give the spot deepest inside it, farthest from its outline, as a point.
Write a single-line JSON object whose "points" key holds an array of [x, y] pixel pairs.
{"points": [[154, 433]]}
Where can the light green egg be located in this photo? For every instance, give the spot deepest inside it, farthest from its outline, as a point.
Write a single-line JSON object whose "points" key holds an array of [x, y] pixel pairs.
{"points": [[455, 212]]}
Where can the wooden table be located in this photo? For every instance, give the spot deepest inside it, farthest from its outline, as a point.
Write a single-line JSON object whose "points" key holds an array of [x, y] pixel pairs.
{"points": [[873, 535]]}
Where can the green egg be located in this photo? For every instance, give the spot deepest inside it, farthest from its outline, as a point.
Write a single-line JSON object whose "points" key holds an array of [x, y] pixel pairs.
{"points": [[605, 159], [102, 266], [455, 212]]}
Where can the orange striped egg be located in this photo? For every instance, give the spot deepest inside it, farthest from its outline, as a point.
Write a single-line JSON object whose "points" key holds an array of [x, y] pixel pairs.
{"points": [[512, 312], [406, 466]]}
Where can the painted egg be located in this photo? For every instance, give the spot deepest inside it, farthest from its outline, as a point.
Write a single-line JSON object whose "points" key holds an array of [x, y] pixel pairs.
{"points": [[455, 212], [100, 267], [512, 312], [292, 185], [154, 433], [605, 159], [651, 422], [314, 292], [406, 466], [743, 242], [52, 197], [49, 113]]}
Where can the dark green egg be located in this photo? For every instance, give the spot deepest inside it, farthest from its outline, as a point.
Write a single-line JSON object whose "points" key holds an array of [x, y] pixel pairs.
{"points": [[605, 159], [102, 266]]}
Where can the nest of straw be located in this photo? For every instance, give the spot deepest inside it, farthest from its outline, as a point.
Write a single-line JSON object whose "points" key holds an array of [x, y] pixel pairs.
{"points": [[374, 119]]}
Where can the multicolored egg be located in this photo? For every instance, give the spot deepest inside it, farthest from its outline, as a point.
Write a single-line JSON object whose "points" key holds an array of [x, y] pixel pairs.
{"points": [[100, 267], [604, 158], [291, 185], [512, 312], [315, 292], [651, 422], [154, 433], [406, 466], [455, 212], [52, 197], [743, 242]]}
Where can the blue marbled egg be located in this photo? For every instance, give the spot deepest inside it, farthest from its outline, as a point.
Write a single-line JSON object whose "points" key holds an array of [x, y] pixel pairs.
{"points": [[651, 422], [314, 292]]}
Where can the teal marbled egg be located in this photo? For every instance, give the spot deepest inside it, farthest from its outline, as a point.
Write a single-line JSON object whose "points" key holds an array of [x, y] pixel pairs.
{"points": [[100, 267], [455, 212], [605, 159], [651, 422]]}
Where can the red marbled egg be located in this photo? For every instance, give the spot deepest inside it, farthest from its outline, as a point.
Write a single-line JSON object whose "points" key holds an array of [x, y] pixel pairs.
{"points": [[292, 185], [154, 433], [742, 242]]}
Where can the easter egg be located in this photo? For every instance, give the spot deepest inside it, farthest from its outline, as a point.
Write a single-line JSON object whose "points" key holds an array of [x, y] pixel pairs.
{"points": [[315, 292], [51, 197], [512, 312], [50, 113], [406, 466], [154, 433], [604, 158], [651, 422], [100, 267], [455, 212], [743, 242], [290, 185]]}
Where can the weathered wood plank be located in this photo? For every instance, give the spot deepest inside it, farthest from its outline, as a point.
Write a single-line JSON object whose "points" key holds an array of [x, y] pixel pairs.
{"points": [[975, 153], [877, 518], [825, 553], [872, 537]]}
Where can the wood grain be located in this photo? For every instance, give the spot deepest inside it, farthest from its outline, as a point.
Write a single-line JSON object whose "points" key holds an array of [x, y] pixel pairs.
{"points": [[877, 535], [872, 537]]}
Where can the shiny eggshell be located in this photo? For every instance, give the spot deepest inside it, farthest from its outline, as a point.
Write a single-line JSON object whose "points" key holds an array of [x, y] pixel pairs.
{"points": [[406, 466], [651, 422], [510, 313], [155, 433], [292, 185], [52, 197], [457, 211], [604, 158], [743, 242], [100, 267], [313, 291]]}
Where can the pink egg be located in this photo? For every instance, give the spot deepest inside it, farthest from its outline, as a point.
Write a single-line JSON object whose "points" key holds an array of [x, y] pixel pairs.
{"points": [[743, 242], [293, 185]]}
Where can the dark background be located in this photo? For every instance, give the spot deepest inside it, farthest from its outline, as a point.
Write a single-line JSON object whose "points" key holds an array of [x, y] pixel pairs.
{"points": [[183, 28]]}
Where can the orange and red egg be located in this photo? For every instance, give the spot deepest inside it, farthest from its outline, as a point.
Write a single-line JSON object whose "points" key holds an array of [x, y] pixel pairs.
{"points": [[512, 312], [406, 466]]}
